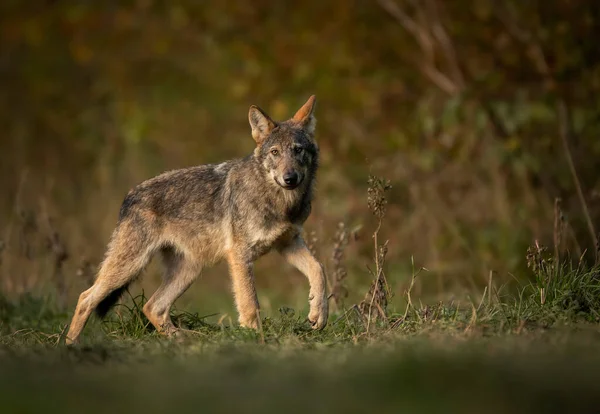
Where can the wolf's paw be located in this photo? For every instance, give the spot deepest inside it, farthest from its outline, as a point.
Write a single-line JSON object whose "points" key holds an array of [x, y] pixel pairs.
{"points": [[71, 343], [169, 330], [319, 311], [249, 322]]}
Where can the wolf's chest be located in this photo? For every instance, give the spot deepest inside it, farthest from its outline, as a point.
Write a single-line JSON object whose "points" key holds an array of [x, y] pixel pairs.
{"points": [[262, 239]]}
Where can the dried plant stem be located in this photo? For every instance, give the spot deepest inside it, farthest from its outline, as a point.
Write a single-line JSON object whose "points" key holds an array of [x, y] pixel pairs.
{"points": [[377, 272], [557, 229], [565, 132], [377, 202], [339, 272], [409, 303]]}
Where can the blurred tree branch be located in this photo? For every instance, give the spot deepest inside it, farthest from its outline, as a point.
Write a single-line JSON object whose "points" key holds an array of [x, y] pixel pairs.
{"points": [[430, 33], [425, 39]]}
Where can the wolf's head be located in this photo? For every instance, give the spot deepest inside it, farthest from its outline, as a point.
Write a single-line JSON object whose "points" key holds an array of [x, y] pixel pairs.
{"points": [[287, 150]]}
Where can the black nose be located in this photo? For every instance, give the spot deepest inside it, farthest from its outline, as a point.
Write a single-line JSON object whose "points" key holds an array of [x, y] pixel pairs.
{"points": [[290, 178]]}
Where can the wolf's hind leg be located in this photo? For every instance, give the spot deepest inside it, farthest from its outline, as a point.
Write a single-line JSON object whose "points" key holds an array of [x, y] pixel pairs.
{"points": [[180, 273], [128, 253]]}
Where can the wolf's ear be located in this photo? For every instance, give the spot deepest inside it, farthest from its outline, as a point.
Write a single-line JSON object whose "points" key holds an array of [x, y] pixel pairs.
{"points": [[261, 124], [305, 115]]}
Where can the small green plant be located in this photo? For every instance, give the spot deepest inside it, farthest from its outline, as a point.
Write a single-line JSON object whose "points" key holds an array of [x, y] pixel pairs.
{"points": [[567, 290]]}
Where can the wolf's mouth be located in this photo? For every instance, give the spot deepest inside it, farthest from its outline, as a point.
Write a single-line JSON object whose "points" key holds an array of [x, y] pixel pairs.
{"points": [[291, 186]]}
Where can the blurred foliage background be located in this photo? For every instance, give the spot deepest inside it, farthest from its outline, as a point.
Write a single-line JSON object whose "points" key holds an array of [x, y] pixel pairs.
{"points": [[480, 114]]}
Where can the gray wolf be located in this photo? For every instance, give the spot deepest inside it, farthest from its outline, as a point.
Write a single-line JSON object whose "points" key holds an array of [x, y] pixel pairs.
{"points": [[237, 210]]}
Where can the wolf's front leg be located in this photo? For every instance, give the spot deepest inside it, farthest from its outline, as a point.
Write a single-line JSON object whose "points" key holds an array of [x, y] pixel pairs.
{"points": [[298, 255], [244, 290]]}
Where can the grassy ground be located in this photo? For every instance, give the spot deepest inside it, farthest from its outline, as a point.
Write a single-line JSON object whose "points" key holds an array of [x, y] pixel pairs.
{"points": [[529, 350]]}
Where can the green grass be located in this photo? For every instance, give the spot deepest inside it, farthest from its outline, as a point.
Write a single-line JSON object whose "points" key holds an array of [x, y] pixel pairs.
{"points": [[520, 350]]}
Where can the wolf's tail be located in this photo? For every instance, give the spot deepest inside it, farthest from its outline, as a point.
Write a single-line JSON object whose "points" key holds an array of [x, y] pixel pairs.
{"points": [[110, 301]]}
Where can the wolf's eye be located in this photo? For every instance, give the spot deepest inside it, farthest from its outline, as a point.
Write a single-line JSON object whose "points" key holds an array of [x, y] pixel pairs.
{"points": [[274, 151], [298, 150]]}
